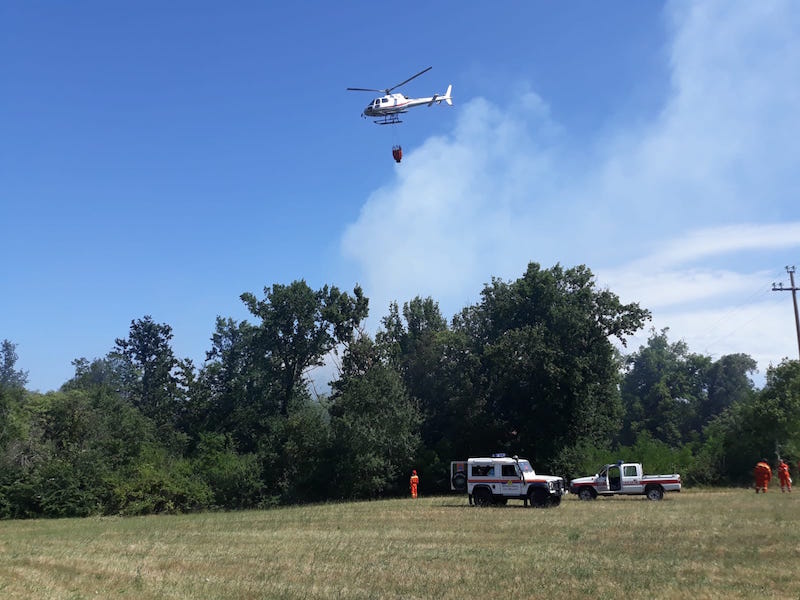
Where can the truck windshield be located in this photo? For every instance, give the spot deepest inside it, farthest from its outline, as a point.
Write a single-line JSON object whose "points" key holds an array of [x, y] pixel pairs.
{"points": [[525, 466]]}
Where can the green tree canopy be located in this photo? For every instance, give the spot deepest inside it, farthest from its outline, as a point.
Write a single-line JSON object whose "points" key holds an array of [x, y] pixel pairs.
{"points": [[550, 376], [374, 427], [765, 424], [10, 377], [672, 393], [299, 327]]}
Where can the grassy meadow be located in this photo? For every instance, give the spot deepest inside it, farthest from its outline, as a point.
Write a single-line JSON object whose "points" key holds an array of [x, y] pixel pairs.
{"points": [[696, 544]]}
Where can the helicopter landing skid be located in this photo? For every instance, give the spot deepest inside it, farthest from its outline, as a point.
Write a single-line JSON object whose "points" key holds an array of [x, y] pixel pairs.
{"points": [[388, 120]]}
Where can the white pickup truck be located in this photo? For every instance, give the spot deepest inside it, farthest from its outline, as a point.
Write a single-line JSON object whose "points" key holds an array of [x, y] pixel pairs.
{"points": [[624, 478], [499, 478]]}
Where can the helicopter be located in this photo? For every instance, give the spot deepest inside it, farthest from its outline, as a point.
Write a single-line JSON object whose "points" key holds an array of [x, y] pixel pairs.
{"points": [[390, 106]]}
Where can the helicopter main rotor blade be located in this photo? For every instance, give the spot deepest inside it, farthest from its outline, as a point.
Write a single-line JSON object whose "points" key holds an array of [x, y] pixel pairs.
{"points": [[409, 79], [366, 90]]}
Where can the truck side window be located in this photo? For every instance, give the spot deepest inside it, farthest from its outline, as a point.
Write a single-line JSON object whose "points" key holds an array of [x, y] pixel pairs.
{"points": [[629, 471], [509, 471], [482, 470]]}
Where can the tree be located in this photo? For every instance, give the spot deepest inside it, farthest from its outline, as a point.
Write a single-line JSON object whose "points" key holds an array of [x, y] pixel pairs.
{"points": [[762, 425], [151, 370], [775, 412], [442, 373], [663, 390], [673, 393], [374, 426], [550, 375], [110, 373], [295, 455], [12, 392], [413, 343], [9, 376], [727, 382], [299, 327], [70, 447], [233, 395]]}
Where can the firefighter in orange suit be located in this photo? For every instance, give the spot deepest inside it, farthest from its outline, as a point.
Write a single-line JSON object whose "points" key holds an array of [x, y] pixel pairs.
{"points": [[414, 482], [783, 475], [762, 474]]}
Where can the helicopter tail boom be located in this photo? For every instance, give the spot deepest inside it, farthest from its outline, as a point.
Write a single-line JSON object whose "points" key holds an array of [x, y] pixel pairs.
{"points": [[439, 98]]}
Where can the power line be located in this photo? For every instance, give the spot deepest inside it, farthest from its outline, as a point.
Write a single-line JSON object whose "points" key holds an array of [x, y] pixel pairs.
{"points": [[792, 288], [713, 333]]}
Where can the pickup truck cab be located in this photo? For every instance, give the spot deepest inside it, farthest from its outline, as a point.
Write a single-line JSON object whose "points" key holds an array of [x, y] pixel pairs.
{"points": [[627, 479], [500, 478]]}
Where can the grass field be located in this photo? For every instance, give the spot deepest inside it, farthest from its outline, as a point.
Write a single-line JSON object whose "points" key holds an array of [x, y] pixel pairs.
{"points": [[697, 544]]}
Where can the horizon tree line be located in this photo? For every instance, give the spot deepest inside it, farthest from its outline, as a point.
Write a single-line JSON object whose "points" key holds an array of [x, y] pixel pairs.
{"points": [[529, 369]]}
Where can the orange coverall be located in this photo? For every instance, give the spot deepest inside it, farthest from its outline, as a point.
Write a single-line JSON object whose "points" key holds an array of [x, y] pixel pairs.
{"points": [[783, 475], [762, 473], [414, 482]]}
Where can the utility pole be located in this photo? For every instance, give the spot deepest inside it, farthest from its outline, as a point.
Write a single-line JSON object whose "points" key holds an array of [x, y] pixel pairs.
{"points": [[792, 288]]}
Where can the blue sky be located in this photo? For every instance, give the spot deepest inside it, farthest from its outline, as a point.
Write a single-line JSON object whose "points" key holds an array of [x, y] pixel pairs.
{"points": [[162, 158]]}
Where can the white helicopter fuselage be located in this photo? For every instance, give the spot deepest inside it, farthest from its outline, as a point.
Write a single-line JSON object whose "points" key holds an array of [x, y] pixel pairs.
{"points": [[393, 104]]}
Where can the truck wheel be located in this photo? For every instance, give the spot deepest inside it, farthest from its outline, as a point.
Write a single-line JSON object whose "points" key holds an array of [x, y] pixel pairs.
{"points": [[539, 498], [586, 493], [654, 492], [460, 481], [482, 497]]}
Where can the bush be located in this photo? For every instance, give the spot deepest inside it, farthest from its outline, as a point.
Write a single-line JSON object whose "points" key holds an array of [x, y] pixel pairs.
{"points": [[65, 490], [158, 486], [234, 479]]}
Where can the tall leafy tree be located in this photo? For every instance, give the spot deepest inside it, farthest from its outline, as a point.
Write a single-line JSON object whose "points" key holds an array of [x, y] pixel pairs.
{"points": [[672, 393], [374, 425], [413, 343], [10, 377], [663, 390], [299, 327], [12, 392], [410, 339], [110, 373], [550, 371], [442, 373], [234, 394], [765, 424], [154, 376], [727, 382]]}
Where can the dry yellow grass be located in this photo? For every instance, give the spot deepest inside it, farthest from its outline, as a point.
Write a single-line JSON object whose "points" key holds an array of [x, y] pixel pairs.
{"points": [[697, 544]]}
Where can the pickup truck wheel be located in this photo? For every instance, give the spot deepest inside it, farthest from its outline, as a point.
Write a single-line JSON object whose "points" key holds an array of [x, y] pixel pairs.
{"points": [[654, 492], [586, 493], [482, 497]]}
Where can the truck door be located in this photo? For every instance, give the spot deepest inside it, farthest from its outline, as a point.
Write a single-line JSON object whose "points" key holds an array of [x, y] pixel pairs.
{"points": [[458, 475], [511, 480], [614, 478], [631, 479]]}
